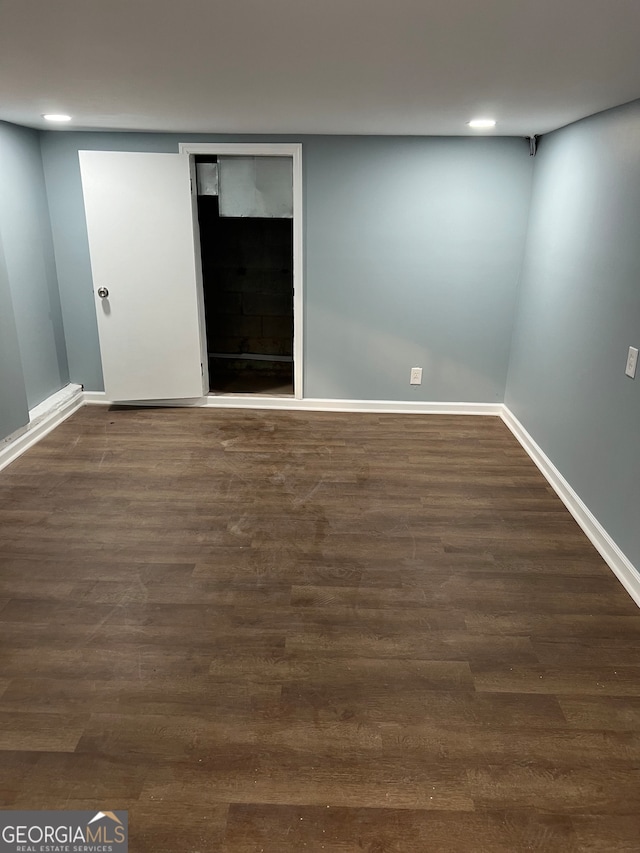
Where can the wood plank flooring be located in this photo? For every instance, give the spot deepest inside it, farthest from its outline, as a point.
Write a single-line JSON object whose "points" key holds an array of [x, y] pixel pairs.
{"points": [[292, 631]]}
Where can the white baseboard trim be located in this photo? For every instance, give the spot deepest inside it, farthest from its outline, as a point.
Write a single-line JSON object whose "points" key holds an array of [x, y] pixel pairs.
{"points": [[617, 561], [311, 404], [95, 398], [42, 419]]}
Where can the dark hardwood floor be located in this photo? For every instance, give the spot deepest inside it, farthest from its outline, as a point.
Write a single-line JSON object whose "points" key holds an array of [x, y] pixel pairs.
{"points": [[289, 632]]}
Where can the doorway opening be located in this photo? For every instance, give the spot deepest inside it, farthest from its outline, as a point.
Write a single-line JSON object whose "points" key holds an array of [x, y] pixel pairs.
{"points": [[245, 219]]}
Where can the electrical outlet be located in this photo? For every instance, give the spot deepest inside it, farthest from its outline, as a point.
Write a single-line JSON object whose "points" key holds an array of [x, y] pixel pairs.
{"points": [[416, 376], [632, 362]]}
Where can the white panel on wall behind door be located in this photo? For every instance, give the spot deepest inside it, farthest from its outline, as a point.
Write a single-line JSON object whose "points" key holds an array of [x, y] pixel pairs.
{"points": [[140, 228], [256, 186]]}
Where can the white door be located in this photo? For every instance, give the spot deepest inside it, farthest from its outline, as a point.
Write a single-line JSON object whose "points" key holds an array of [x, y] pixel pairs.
{"points": [[141, 241]]}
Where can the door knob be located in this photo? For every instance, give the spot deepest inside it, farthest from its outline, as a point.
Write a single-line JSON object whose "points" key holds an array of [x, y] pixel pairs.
{"points": [[103, 292]]}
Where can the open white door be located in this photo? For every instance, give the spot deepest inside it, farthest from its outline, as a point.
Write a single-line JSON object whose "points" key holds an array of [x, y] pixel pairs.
{"points": [[140, 226]]}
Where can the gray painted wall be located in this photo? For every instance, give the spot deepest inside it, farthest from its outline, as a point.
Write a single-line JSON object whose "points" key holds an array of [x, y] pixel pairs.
{"points": [[14, 411], [579, 311], [412, 252], [30, 266]]}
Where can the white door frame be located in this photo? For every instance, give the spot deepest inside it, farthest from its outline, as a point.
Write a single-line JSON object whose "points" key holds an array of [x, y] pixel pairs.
{"points": [[272, 149]]}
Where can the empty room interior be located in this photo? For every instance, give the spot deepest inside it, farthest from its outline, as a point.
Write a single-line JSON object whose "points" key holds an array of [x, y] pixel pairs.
{"points": [[319, 425]]}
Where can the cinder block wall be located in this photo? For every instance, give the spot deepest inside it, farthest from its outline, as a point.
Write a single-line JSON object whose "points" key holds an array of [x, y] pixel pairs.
{"points": [[249, 286]]}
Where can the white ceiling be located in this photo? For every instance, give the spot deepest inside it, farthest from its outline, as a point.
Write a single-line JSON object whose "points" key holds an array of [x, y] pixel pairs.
{"points": [[317, 66]]}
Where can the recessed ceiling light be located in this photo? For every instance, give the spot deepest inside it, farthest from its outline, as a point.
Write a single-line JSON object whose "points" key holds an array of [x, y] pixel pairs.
{"points": [[482, 122], [56, 117]]}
